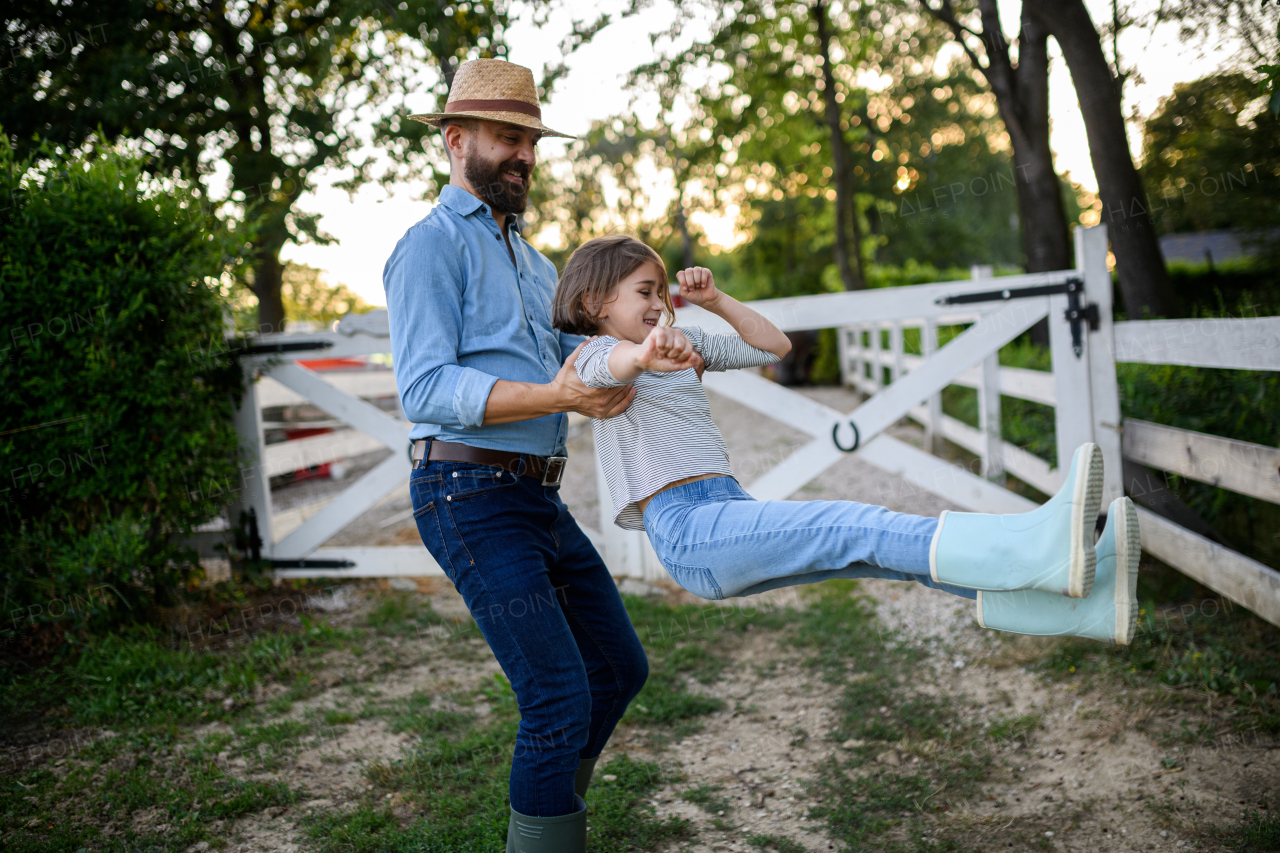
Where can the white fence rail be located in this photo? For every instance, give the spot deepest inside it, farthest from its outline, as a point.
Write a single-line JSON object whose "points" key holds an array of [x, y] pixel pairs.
{"points": [[1081, 387]]}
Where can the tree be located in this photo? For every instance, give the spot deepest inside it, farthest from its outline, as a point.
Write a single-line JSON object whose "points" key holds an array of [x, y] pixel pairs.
{"points": [[1022, 94], [1212, 159], [790, 117], [848, 243], [270, 88], [307, 297], [1144, 282]]}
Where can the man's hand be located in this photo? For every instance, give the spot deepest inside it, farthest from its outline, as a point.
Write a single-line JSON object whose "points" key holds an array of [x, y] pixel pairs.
{"points": [[576, 396], [698, 286], [665, 350]]}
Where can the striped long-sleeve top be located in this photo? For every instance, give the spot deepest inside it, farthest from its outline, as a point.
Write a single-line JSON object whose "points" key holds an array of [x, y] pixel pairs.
{"points": [[666, 434]]}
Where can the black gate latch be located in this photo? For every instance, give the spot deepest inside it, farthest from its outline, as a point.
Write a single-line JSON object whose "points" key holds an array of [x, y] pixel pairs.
{"points": [[1076, 314]]}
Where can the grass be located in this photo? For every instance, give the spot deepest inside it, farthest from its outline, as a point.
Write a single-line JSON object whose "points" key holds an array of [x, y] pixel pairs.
{"points": [[452, 790], [865, 803], [1189, 642], [151, 782], [1260, 832], [127, 793]]}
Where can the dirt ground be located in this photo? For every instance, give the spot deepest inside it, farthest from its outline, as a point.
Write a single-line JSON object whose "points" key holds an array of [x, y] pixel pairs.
{"points": [[1097, 767], [1092, 775]]}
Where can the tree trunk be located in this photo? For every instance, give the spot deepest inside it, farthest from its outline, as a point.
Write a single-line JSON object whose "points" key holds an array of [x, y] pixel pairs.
{"points": [[1022, 96], [268, 276], [1045, 237], [848, 244], [1144, 282]]}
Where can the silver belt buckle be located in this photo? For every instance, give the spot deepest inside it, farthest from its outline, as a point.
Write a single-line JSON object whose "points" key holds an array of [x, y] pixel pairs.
{"points": [[554, 471]]}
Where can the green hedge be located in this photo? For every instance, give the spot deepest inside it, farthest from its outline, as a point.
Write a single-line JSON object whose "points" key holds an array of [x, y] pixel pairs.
{"points": [[115, 406]]}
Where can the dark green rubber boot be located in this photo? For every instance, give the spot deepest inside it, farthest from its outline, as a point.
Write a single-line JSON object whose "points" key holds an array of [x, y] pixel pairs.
{"points": [[561, 834], [582, 780]]}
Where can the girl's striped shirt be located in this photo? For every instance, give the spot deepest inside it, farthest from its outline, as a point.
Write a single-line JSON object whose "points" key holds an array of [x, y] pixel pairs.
{"points": [[666, 434]]}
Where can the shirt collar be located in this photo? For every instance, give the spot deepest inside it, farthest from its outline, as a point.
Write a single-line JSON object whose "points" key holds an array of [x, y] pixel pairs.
{"points": [[456, 198]]}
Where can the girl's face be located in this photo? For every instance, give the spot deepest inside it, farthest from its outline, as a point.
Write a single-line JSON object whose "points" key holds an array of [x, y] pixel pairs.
{"points": [[635, 305]]}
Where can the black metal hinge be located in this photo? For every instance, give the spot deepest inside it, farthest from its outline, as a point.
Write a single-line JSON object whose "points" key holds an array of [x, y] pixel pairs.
{"points": [[1076, 314], [312, 564], [291, 346]]}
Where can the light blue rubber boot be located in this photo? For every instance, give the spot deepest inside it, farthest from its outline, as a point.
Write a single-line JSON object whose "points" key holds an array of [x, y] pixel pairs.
{"points": [[561, 834], [1110, 613], [1048, 549]]}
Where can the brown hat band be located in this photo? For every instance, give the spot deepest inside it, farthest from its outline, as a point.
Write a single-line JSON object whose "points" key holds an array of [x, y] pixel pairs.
{"points": [[502, 105]]}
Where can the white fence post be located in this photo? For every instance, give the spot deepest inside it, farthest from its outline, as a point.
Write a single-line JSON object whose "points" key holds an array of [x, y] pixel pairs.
{"points": [[989, 420], [873, 357], [895, 347], [1073, 409], [933, 424], [844, 352], [1091, 260], [989, 402], [255, 484]]}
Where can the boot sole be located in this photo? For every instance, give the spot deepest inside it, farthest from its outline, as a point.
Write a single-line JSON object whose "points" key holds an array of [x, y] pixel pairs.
{"points": [[1128, 554], [1085, 504]]}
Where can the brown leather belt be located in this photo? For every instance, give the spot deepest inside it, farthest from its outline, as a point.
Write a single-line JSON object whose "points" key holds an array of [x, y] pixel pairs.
{"points": [[547, 469]]}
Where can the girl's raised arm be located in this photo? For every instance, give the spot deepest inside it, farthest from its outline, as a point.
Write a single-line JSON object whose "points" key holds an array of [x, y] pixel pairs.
{"points": [[698, 286]]}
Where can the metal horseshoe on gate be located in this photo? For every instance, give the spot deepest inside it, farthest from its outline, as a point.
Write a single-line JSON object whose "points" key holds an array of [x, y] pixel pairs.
{"points": [[857, 437]]}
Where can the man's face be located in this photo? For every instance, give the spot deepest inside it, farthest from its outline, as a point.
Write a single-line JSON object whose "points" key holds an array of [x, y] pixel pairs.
{"points": [[499, 161]]}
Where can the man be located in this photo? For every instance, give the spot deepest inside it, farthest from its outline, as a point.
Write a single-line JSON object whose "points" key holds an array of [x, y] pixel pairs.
{"points": [[484, 377]]}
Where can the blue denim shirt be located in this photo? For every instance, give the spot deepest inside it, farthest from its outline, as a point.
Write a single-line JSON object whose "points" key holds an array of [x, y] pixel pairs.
{"points": [[463, 316]]}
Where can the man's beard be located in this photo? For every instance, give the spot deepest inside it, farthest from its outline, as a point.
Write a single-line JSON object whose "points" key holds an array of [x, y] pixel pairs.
{"points": [[493, 186]]}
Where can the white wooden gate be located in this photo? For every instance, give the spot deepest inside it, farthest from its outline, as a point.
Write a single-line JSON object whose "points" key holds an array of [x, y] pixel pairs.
{"points": [[1084, 344]]}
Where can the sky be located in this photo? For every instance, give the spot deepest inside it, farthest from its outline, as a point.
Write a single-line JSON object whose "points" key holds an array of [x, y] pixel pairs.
{"points": [[368, 226]]}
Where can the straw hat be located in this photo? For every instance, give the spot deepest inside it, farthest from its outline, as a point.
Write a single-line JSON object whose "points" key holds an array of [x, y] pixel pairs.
{"points": [[494, 90]]}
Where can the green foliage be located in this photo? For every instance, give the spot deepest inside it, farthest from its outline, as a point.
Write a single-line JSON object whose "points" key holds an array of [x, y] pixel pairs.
{"points": [[265, 92], [760, 134], [1210, 160], [1239, 404], [118, 415]]}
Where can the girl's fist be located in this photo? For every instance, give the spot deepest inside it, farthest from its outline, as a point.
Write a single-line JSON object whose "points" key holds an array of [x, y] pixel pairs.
{"points": [[697, 285]]}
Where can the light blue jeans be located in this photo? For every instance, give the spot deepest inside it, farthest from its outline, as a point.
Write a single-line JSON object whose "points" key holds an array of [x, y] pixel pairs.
{"points": [[717, 541]]}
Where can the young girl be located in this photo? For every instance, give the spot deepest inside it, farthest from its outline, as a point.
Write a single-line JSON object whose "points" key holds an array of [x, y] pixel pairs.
{"points": [[668, 473]]}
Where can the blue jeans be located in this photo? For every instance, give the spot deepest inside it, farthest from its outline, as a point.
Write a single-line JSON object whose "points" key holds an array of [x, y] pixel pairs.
{"points": [[717, 541], [549, 609]]}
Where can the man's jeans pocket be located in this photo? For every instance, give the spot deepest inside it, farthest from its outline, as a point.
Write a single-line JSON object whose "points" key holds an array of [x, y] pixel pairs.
{"points": [[427, 517], [697, 579], [465, 480]]}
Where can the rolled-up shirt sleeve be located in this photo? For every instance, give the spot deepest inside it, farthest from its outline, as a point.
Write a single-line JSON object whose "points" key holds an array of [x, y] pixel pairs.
{"points": [[424, 284], [593, 364]]}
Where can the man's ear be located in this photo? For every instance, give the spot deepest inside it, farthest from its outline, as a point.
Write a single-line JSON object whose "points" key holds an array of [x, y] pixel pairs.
{"points": [[455, 140]]}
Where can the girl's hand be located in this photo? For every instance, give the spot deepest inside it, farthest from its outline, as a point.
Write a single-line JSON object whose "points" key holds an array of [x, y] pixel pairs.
{"points": [[698, 286], [665, 350]]}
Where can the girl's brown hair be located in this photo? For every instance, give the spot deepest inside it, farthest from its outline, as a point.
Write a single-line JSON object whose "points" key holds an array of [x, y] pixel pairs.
{"points": [[593, 271]]}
